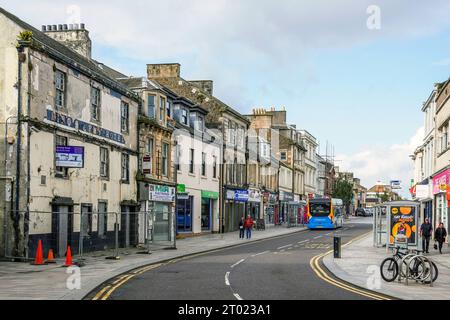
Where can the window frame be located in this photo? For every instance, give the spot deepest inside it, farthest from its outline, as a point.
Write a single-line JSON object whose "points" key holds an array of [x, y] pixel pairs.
{"points": [[204, 164], [124, 119], [165, 151], [62, 90], [153, 106], [191, 161], [105, 163], [96, 104], [125, 159], [62, 173]]}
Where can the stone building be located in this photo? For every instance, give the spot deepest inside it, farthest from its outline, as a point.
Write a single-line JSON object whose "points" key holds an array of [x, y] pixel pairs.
{"points": [[228, 124], [71, 143], [310, 144]]}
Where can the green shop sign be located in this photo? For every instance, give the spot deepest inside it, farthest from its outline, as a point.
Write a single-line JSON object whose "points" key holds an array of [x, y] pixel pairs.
{"points": [[181, 188], [210, 195]]}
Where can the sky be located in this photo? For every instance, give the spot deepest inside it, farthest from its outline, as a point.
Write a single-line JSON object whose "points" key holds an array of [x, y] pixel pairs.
{"points": [[354, 73]]}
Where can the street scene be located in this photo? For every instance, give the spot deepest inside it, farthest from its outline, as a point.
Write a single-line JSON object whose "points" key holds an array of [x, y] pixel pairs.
{"points": [[218, 151]]}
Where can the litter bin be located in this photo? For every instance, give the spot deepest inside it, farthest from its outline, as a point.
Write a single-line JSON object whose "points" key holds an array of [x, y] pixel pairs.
{"points": [[337, 247]]}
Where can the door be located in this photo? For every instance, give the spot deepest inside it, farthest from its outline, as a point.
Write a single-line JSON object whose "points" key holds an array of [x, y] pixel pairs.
{"points": [[161, 216], [184, 215], [61, 229], [124, 227], [206, 214]]}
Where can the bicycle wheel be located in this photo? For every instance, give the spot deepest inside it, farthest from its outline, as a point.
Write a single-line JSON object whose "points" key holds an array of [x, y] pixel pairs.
{"points": [[389, 270], [426, 272]]}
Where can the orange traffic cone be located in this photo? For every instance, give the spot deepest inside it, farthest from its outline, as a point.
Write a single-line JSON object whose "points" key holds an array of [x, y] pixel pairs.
{"points": [[51, 257], [39, 259], [68, 257]]}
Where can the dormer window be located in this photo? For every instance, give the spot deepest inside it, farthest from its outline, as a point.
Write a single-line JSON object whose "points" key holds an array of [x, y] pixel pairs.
{"points": [[184, 117]]}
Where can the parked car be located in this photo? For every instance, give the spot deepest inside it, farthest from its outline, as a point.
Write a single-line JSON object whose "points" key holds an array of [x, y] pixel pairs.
{"points": [[363, 212]]}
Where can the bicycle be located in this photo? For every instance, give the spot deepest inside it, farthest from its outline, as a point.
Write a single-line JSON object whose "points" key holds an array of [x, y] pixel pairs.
{"points": [[418, 264]]}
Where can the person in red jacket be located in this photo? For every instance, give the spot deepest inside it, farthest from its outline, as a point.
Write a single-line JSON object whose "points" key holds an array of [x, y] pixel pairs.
{"points": [[249, 226]]}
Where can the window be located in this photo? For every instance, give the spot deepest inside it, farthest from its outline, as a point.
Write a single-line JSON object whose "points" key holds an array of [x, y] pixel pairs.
{"points": [[151, 106], [60, 87], [184, 117], [283, 155], [104, 162], [204, 164], [169, 109], [165, 159], [95, 104], [214, 167], [61, 172], [191, 160], [200, 123], [124, 116], [162, 108], [149, 148], [125, 168]]}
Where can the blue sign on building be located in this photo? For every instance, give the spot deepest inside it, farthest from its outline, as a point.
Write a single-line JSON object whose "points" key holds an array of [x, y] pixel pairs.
{"points": [[69, 157], [241, 195]]}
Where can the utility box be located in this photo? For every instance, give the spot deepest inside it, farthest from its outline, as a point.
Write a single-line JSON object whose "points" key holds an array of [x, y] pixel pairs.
{"points": [[337, 247]]}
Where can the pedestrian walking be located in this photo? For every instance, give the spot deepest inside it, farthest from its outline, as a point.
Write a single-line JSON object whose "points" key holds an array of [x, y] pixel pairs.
{"points": [[440, 235], [249, 226], [425, 232], [242, 228]]}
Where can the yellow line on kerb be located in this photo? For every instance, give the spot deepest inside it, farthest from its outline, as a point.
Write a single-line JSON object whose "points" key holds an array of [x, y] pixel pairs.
{"points": [[314, 263]]}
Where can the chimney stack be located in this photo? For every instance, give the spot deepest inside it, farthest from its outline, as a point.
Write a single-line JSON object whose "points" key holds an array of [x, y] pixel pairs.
{"points": [[164, 70], [73, 36]]}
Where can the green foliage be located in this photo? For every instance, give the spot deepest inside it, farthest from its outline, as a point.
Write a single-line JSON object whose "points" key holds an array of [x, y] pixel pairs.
{"points": [[343, 190], [385, 197], [26, 35]]}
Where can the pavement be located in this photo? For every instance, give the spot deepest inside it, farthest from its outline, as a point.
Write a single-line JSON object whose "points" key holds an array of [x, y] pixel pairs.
{"points": [[360, 266], [22, 281]]}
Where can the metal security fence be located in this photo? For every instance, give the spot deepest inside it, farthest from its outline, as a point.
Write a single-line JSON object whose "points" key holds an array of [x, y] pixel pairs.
{"points": [[87, 233]]}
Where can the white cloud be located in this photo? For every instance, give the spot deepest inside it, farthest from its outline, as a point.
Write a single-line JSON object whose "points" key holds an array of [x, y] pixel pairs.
{"points": [[384, 163]]}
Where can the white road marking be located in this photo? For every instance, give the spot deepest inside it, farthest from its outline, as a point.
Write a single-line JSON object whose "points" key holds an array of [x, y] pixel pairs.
{"points": [[283, 250], [317, 237], [289, 245], [237, 263], [227, 280], [259, 254], [300, 242], [237, 296]]}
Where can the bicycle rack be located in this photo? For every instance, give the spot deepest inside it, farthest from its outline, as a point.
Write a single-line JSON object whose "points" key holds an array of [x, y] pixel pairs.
{"points": [[425, 260]]}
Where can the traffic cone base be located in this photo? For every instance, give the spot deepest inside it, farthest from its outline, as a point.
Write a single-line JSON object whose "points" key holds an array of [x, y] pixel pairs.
{"points": [[39, 259]]}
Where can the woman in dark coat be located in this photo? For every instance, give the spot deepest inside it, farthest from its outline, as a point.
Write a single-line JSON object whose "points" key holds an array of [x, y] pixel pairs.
{"points": [[440, 235], [242, 228]]}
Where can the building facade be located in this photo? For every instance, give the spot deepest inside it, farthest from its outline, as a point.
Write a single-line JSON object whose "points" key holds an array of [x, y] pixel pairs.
{"points": [[71, 150], [226, 123]]}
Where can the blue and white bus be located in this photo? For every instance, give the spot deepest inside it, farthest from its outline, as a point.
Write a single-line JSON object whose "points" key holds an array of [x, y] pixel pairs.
{"points": [[325, 213]]}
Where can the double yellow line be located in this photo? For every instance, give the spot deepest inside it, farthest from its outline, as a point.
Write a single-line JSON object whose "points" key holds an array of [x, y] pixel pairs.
{"points": [[322, 274]]}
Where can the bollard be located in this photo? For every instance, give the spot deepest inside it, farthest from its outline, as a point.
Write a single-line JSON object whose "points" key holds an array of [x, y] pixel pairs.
{"points": [[337, 247]]}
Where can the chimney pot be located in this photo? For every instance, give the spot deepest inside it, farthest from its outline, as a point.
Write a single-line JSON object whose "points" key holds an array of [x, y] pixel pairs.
{"points": [[60, 27], [71, 26], [82, 26], [55, 28], [65, 27], [44, 28], [75, 26]]}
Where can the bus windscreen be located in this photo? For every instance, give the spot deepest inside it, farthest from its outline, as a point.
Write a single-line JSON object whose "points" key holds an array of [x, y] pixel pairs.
{"points": [[320, 209]]}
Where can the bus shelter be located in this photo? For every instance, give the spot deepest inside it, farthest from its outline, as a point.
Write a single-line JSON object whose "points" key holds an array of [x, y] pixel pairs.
{"points": [[379, 226]]}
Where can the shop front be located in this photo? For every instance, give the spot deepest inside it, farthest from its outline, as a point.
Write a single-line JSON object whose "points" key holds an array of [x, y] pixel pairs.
{"points": [[235, 208], [285, 208], [159, 202], [441, 193], [270, 207], [209, 203], [254, 204]]}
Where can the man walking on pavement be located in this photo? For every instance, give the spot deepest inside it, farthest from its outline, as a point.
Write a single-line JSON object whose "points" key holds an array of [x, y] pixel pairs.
{"points": [[425, 232], [248, 226]]}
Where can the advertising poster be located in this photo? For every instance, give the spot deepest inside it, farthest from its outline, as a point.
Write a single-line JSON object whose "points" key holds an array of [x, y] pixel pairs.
{"points": [[69, 157], [404, 221]]}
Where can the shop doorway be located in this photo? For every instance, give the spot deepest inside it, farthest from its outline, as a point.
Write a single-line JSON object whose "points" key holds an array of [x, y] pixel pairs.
{"points": [[206, 214], [161, 218], [62, 228], [128, 227]]}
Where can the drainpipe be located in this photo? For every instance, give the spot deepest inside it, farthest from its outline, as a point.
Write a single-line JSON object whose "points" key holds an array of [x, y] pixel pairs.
{"points": [[27, 213], [222, 184], [20, 59]]}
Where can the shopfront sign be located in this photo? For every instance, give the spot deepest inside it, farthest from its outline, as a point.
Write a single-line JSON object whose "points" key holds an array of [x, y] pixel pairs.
{"points": [[182, 196], [69, 157], [85, 127], [286, 196], [271, 198], [254, 195], [210, 195], [147, 164], [441, 181], [181, 188], [241, 195], [160, 193]]}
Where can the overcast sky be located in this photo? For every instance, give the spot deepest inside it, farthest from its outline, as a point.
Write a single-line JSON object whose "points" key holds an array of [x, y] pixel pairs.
{"points": [[360, 89]]}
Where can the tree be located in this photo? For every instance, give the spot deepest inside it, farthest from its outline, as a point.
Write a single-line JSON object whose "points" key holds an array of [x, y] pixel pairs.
{"points": [[385, 197], [343, 190]]}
